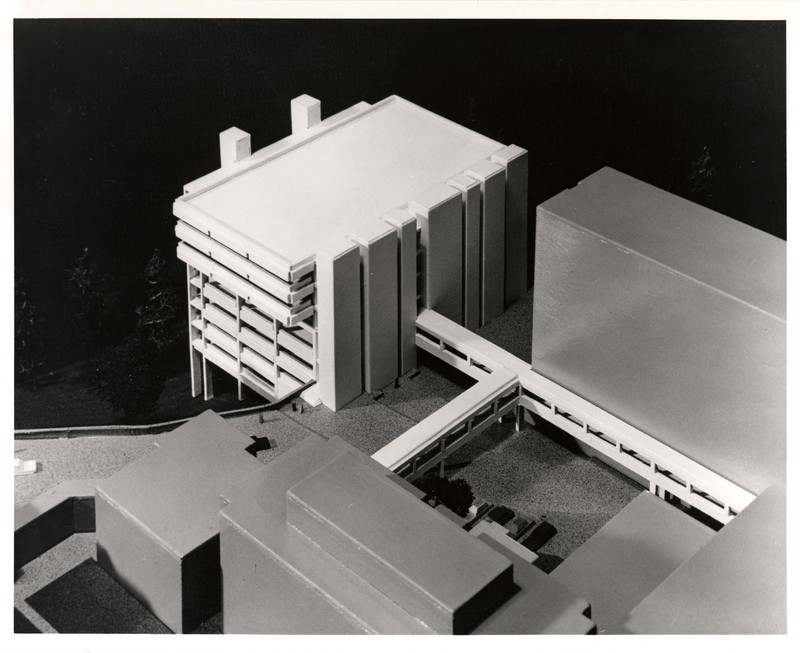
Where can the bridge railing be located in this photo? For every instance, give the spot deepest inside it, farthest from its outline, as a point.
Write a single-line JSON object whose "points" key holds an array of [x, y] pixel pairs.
{"points": [[428, 443], [665, 469]]}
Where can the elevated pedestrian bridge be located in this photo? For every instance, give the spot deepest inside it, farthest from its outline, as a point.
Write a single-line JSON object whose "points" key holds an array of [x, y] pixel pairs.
{"points": [[507, 384]]}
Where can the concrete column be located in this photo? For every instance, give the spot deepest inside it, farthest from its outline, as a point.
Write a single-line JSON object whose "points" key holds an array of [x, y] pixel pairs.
{"points": [[195, 358], [208, 380]]}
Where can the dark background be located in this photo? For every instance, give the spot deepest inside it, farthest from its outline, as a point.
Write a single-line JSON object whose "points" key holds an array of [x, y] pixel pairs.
{"points": [[112, 117]]}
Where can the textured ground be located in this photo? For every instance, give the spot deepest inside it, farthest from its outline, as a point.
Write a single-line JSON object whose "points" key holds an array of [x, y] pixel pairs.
{"points": [[537, 476], [533, 472]]}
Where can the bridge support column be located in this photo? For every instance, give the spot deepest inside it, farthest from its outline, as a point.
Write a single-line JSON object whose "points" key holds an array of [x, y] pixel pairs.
{"points": [[656, 489]]}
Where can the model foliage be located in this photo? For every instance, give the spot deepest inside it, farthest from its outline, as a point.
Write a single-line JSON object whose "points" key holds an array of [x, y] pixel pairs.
{"points": [[131, 375], [93, 302], [28, 339], [454, 494], [156, 317]]}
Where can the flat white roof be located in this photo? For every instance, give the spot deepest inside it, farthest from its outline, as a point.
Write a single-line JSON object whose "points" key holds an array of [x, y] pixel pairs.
{"points": [[711, 248], [328, 186]]}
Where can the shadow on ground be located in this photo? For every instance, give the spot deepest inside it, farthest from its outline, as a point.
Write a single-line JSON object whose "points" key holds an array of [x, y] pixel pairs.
{"points": [[88, 600]]}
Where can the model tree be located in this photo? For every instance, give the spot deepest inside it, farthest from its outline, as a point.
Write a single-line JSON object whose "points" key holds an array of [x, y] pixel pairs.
{"points": [[157, 316], [92, 302], [131, 375], [454, 494], [28, 338], [458, 496]]}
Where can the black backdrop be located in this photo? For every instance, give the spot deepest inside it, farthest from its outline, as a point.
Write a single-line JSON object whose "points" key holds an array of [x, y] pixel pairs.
{"points": [[112, 117]]}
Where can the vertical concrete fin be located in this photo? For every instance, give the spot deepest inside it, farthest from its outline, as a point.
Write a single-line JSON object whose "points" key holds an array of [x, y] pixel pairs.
{"points": [[406, 227], [339, 323], [493, 194], [515, 161], [438, 213]]}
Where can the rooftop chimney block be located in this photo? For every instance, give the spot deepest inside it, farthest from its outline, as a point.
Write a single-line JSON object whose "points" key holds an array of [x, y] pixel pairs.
{"points": [[234, 145], [306, 113]]}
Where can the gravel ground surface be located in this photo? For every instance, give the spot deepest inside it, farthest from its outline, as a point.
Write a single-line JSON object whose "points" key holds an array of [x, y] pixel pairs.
{"points": [[60, 459], [48, 567], [539, 477]]}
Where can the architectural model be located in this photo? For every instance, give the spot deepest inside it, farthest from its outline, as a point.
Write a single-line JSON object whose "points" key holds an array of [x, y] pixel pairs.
{"points": [[322, 264], [308, 261]]}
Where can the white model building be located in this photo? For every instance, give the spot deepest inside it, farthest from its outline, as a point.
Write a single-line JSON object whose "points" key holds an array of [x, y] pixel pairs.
{"points": [[309, 260]]}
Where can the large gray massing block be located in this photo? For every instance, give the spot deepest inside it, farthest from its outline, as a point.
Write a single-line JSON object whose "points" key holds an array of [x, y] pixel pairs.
{"points": [[339, 324], [515, 161], [157, 520], [277, 581], [366, 602], [492, 179], [733, 585], [439, 216], [311, 594], [701, 371], [181, 590], [342, 508], [406, 226], [263, 595], [377, 243], [286, 576]]}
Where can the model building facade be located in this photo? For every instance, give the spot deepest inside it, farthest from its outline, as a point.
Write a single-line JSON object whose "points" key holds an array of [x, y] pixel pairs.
{"points": [[309, 260]]}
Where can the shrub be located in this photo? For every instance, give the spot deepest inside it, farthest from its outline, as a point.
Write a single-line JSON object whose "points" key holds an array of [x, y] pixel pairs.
{"points": [[456, 495], [130, 376]]}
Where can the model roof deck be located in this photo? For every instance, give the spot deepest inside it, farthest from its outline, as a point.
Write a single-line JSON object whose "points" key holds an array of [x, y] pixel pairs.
{"points": [[341, 175], [174, 491], [724, 254]]}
